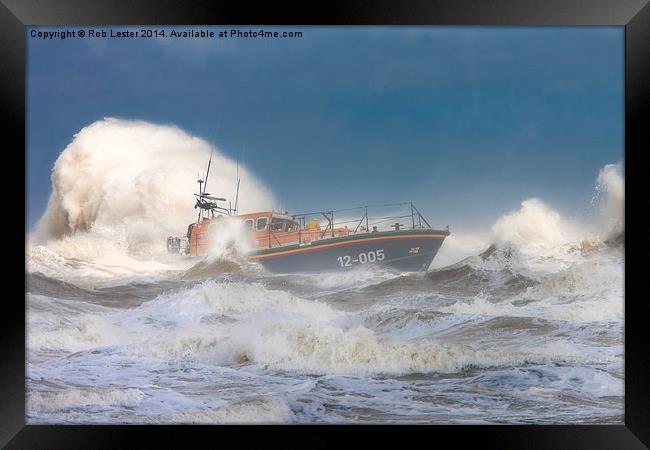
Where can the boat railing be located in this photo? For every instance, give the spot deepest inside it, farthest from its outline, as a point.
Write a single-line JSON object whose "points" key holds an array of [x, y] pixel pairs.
{"points": [[368, 217]]}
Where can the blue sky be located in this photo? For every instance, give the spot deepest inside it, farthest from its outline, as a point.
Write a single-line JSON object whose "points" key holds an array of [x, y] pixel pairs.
{"points": [[467, 122]]}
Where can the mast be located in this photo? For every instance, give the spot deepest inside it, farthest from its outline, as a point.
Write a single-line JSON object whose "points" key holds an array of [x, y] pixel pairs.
{"points": [[205, 201], [237, 194], [207, 174], [200, 181]]}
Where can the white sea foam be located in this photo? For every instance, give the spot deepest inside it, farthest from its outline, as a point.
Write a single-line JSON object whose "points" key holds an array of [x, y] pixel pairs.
{"points": [[610, 196], [534, 229], [257, 410], [38, 402], [535, 232], [591, 290], [226, 323], [121, 187], [230, 240], [460, 245], [196, 339], [253, 410]]}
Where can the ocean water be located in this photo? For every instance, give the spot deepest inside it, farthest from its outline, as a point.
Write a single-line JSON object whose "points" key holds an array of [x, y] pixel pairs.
{"points": [[491, 339], [521, 323]]}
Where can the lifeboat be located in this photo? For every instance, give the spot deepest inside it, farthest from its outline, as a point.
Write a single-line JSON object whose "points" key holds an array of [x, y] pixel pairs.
{"points": [[314, 242]]}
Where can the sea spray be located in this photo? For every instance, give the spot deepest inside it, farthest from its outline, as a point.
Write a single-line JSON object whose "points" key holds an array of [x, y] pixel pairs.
{"points": [[121, 187], [610, 197], [533, 228], [536, 229], [229, 238], [116, 170]]}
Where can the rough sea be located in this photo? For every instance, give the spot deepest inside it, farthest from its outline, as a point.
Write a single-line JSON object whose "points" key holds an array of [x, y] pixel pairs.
{"points": [[491, 339], [520, 324]]}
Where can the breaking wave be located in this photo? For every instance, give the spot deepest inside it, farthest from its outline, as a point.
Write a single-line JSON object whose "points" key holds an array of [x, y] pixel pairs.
{"points": [[234, 323], [120, 188], [610, 196]]}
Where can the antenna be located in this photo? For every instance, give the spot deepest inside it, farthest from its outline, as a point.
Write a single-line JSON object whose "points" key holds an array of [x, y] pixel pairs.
{"points": [[237, 194], [205, 186], [200, 181]]}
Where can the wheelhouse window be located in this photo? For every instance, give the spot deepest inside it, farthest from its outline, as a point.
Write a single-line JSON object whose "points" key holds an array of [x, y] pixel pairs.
{"points": [[261, 223], [248, 224], [278, 224]]}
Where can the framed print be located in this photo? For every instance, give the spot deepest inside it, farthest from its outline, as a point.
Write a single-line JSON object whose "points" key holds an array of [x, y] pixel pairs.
{"points": [[392, 221]]}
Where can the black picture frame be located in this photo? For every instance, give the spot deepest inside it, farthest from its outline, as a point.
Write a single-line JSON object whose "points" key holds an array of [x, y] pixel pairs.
{"points": [[634, 15]]}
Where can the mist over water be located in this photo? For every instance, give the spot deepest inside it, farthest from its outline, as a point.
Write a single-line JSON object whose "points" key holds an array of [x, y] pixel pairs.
{"points": [[519, 323]]}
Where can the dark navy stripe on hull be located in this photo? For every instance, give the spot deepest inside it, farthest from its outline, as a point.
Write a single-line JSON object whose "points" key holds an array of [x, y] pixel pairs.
{"points": [[407, 251]]}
